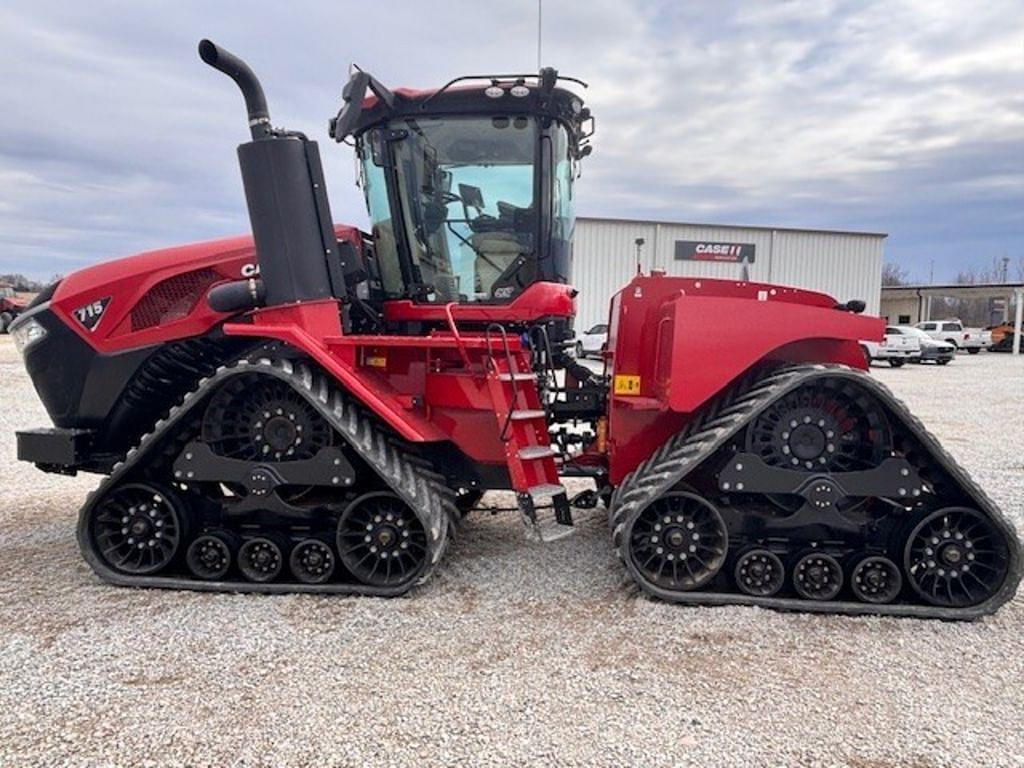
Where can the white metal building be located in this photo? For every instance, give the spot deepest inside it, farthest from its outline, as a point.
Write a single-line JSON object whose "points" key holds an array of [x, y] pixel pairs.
{"points": [[846, 265]]}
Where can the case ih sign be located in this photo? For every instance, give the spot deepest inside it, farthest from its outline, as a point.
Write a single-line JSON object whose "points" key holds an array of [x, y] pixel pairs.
{"points": [[703, 250]]}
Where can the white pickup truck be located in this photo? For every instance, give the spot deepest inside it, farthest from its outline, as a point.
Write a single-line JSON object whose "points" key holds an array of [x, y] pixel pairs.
{"points": [[895, 348], [953, 332]]}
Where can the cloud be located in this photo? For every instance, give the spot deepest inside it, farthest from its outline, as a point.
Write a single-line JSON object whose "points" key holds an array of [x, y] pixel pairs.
{"points": [[905, 117]]}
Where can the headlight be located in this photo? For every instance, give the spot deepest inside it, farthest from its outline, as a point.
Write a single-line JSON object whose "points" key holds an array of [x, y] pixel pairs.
{"points": [[26, 333]]}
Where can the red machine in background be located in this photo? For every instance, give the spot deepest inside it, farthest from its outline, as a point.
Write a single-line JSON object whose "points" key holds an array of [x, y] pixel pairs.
{"points": [[11, 305], [316, 408]]}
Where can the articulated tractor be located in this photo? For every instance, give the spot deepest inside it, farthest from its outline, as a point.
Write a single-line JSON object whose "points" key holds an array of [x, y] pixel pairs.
{"points": [[316, 408]]}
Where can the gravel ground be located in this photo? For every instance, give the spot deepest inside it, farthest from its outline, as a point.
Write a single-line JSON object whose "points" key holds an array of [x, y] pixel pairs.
{"points": [[515, 654]]}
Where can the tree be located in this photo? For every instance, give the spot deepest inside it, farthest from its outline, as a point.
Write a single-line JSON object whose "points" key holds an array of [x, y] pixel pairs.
{"points": [[893, 274]]}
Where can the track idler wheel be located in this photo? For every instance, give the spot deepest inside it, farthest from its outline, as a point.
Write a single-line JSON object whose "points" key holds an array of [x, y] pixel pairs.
{"points": [[817, 576], [381, 541], [679, 541], [312, 561], [209, 557], [759, 572], [956, 558], [876, 579], [260, 559], [137, 528]]}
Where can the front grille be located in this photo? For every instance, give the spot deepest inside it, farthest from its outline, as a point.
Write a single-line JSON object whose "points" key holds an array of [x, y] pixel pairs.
{"points": [[172, 299]]}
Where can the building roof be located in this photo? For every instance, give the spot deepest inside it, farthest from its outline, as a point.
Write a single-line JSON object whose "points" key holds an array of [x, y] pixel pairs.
{"points": [[731, 226], [958, 290]]}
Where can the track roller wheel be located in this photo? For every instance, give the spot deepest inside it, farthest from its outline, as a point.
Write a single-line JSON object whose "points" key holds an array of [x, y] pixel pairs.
{"points": [[817, 576], [759, 572], [956, 557], [679, 541], [260, 559], [209, 557], [137, 528], [876, 579], [312, 561], [381, 541]]}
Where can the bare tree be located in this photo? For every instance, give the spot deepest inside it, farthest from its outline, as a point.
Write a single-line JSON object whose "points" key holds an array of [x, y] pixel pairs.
{"points": [[893, 274]]}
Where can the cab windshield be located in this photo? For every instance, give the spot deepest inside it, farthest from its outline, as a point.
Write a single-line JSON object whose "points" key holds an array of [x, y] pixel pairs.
{"points": [[466, 189]]}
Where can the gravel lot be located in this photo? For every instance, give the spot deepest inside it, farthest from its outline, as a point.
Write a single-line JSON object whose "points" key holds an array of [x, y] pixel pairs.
{"points": [[516, 654]]}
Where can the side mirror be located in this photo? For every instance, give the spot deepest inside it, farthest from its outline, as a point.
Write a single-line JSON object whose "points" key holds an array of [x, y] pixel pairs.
{"points": [[352, 95], [352, 106]]}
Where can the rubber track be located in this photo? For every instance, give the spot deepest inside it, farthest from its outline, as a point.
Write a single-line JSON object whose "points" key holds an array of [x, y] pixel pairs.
{"points": [[409, 477], [720, 421]]}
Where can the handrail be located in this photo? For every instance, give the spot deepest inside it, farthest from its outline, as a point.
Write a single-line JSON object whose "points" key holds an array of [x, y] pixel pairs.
{"points": [[503, 436], [544, 341], [455, 332]]}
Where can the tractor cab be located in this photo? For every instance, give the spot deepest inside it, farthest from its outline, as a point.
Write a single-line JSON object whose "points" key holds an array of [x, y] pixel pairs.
{"points": [[469, 187]]}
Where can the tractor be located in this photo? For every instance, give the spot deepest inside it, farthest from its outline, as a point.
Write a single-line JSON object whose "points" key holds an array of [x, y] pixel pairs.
{"points": [[317, 408], [11, 305]]}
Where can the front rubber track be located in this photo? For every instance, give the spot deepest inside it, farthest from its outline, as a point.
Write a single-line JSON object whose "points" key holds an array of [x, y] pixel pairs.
{"points": [[423, 490]]}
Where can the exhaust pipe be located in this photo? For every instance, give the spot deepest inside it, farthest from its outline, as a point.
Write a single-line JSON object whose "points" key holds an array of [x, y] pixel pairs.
{"points": [[245, 79], [285, 192]]}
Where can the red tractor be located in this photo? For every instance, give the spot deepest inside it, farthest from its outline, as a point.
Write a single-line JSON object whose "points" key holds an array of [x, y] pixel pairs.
{"points": [[316, 408], [11, 305]]}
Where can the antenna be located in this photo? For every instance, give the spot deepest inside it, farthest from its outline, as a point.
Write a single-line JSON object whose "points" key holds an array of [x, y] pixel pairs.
{"points": [[540, 17]]}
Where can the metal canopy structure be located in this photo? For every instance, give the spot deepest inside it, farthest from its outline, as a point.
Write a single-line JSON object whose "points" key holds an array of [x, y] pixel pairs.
{"points": [[922, 295]]}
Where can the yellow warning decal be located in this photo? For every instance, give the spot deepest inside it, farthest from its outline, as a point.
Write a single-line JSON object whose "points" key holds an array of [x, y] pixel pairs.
{"points": [[376, 361], [627, 384]]}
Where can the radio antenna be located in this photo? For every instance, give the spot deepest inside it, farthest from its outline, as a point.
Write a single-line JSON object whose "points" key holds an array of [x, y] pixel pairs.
{"points": [[540, 16]]}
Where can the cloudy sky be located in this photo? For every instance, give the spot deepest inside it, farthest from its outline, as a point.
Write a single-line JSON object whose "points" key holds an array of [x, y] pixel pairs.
{"points": [[901, 117]]}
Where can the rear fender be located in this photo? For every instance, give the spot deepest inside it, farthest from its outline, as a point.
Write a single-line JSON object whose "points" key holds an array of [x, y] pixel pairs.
{"points": [[706, 342]]}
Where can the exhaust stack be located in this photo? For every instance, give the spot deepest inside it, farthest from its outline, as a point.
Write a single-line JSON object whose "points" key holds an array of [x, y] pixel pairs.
{"points": [[286, 196]]}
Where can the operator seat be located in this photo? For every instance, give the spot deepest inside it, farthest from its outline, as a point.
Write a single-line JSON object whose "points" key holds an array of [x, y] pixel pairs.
{"points": [[496, 251]]}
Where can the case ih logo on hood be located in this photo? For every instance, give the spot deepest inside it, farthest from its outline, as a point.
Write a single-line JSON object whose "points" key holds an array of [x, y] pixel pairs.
{"points": [[90, 314], [703, 250]]}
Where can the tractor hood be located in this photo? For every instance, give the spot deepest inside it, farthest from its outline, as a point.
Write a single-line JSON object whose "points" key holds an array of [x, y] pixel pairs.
{"points": [[158, 295]]}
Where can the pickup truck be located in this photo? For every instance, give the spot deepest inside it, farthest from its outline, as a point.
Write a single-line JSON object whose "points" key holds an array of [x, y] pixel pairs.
{"points": [[896, 348], [953, 332]]}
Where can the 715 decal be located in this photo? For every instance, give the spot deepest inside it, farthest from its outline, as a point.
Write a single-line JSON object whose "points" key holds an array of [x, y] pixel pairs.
{"points": [[89, 315]]}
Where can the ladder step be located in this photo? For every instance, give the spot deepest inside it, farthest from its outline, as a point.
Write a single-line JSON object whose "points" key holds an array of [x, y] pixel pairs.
{"points": [[534, 452], [526, 415], [523, 376], [545, 492]]}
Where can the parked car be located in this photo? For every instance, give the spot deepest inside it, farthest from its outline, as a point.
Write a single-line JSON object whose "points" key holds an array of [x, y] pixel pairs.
{"points": [[953, 332], [932, 350], [592, 343], [896, 347]]}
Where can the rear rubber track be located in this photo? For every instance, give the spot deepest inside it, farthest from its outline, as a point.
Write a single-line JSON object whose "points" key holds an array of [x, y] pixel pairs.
{"points": [[409, 477], [720, 421]]}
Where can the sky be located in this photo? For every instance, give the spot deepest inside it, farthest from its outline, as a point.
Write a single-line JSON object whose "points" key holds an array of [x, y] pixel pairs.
{"points": [[902, 116]]}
